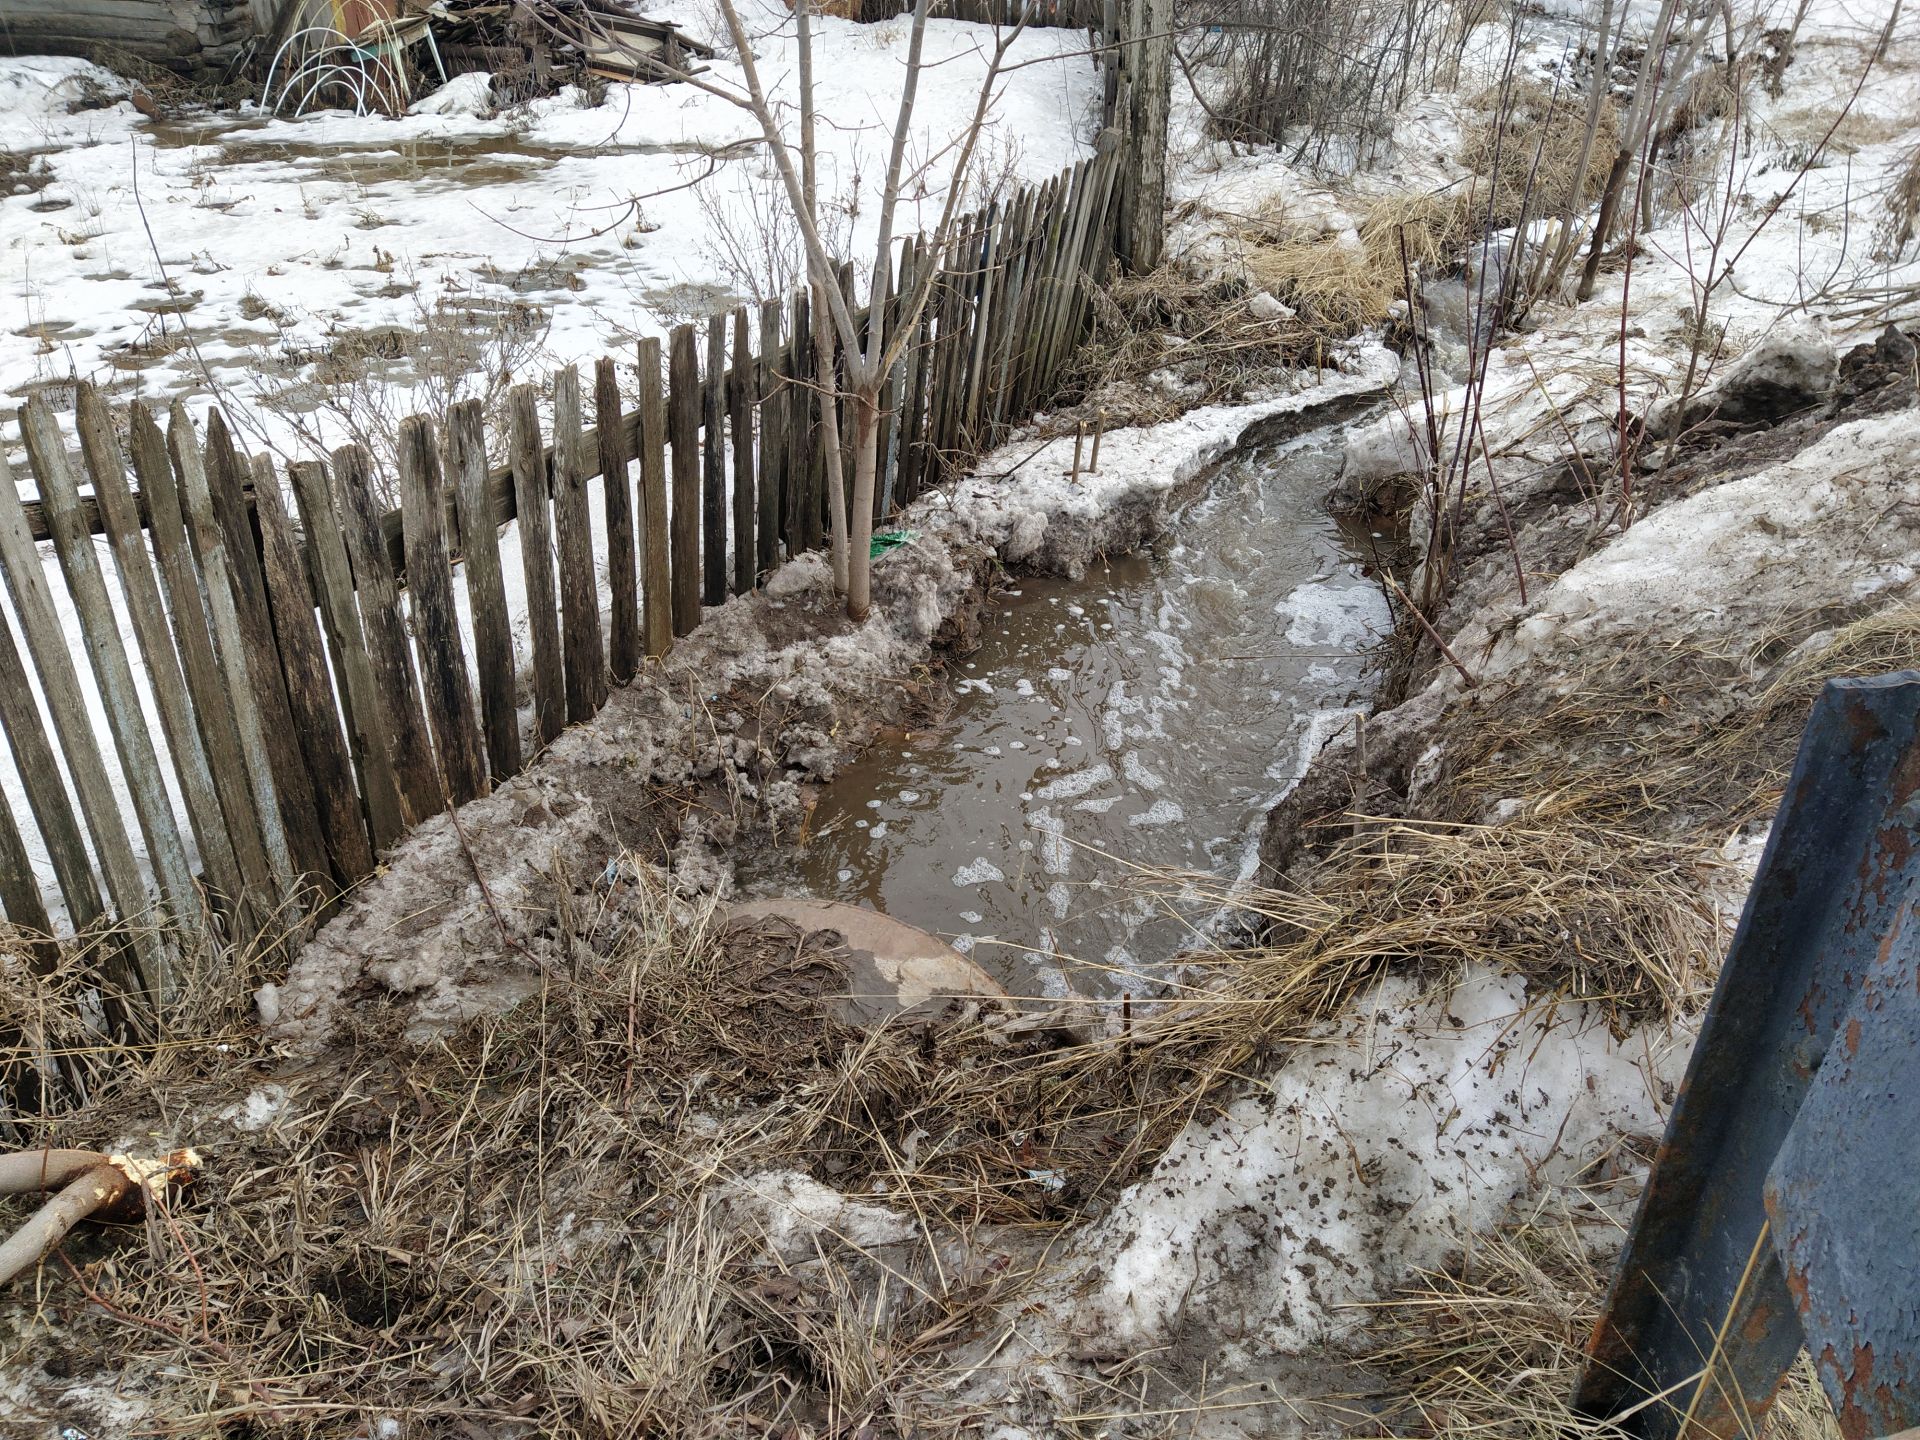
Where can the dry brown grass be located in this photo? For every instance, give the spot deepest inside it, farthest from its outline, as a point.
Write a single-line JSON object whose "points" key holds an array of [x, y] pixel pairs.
{"points": [[1495, 1345], [1340, 288], [1194, 328], [1528, 157], [555, 1220]]}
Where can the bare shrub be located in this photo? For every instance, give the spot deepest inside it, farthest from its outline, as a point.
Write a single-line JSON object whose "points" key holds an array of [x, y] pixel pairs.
{"points": [[363, 383], [1321, 79], [1896, 229]]}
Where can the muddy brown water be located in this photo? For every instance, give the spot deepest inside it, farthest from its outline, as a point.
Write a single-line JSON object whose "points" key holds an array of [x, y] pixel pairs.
{"points": [[1145, 716]]}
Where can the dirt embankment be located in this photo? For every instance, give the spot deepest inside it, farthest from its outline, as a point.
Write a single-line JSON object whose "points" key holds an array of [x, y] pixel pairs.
{"points": [[1642, 698]]}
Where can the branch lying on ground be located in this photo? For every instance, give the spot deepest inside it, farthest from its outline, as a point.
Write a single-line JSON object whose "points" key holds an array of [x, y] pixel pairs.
{"points": [[89, 1183]]}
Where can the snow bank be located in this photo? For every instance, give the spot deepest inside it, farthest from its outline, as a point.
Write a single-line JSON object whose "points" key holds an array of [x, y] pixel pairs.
{"points": [[1379, 1150], [286, 235], [1834, 525]]}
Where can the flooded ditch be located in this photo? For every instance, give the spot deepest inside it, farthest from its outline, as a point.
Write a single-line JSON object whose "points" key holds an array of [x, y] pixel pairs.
{"points": [[1144, 717]]}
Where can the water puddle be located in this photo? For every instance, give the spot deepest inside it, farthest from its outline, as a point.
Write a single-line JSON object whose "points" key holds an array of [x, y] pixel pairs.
{"points": [[462, 161], [1147, 715]]}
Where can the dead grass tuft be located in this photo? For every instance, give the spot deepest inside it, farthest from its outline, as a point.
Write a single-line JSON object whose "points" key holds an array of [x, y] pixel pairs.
{"points": [[1340, 287], [1528, 157], [1495, 1346], [1166, 342]]}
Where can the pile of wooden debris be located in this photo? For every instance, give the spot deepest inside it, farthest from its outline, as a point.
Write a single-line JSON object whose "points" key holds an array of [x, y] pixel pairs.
{"points": [[380, 54], [552, 41]]}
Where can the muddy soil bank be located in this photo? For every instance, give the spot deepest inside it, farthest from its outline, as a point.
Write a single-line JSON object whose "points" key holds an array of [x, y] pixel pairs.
{"points": [[767, 698]]}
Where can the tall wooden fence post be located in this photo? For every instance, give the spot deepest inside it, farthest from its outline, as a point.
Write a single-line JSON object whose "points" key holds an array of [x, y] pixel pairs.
{"points": [[586, 661], [656, 570], [683, 434], [436, 630], [486, 588], [623, 585]]}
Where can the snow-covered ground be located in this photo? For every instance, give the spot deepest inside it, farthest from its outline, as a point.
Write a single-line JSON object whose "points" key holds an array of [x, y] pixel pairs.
{"points": [[247, 248]]}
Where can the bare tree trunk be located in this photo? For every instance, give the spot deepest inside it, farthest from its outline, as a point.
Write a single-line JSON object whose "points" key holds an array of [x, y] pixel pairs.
{"points": [[1604, 46], [866, 466], [1632, 134], [825, 349], [1150, 57]]}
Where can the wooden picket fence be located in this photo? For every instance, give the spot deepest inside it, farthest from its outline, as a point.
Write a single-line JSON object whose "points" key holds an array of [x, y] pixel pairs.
{"points": [[1039, 14], [307, 725]]}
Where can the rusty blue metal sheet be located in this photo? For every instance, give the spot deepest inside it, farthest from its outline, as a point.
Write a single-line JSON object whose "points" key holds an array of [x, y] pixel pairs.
{"points": [[1831, 886], [1844, 1198]]}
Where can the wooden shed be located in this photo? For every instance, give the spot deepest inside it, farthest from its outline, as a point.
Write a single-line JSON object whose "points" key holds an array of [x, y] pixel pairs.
{"points": [[194, 37]]}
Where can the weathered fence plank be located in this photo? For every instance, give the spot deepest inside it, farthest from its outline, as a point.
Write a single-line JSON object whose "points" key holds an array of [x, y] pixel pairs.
{"points": [[795, 411], [986, 291], [713, 472], [226, 478], [436, 626], [623, 582], [912, 432], [310, 694], [209, 701], [773, 441], [683, 435], [486, 588], [274, 754], [333, 580], [19, 891], [209, 544], [586, 661], [148, 615], [386, 636], [740, 398], [40, 777], [530, 461], [113, 676], [656, 570]]}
